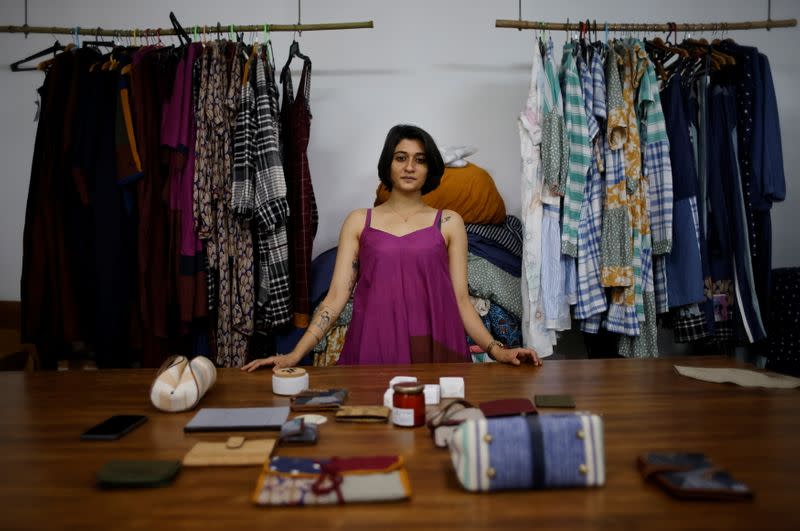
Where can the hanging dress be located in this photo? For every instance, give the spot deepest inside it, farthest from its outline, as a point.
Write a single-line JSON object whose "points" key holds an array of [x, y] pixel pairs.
{"points": [[404, 306], [303, 216]]}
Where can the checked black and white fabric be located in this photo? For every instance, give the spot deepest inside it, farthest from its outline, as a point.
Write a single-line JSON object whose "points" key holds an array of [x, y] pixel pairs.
{"points": [[259, 190], [508, 235]]}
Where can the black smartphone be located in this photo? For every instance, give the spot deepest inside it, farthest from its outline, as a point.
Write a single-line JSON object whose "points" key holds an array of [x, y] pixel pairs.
{"points": [[113, 428]]}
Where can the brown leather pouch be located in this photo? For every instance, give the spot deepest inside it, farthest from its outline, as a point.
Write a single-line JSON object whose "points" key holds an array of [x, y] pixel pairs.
{"points": [[362, 414]]}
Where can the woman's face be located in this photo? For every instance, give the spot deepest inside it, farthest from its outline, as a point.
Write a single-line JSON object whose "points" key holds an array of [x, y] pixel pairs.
{"points": [[409, 166]]}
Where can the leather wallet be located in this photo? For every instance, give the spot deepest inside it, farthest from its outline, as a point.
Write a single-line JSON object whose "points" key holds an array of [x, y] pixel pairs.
{"points": [[125, 473], [319, 399], [297, 431], [442, 421], [565, 401], [691, 476], [507, 407], [530, 452], [363, 414], [236, 451], [302, 481]]}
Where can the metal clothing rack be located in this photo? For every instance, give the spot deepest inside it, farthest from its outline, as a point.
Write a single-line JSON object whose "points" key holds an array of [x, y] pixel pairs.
{"points": [[648, 27], [152, 32]]}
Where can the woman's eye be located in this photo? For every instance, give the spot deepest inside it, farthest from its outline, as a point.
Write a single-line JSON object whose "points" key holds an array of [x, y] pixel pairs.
{"points": [[420, 160], [400, 158]]}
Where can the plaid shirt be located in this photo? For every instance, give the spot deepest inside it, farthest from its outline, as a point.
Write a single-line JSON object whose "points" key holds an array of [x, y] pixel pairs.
{"points": [[580, 151], [554, 147], [260, 189], [658, 171], [591, 295]]}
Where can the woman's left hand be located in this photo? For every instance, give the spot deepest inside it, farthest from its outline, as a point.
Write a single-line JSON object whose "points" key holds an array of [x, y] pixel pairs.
{"points": [[516, 355]]}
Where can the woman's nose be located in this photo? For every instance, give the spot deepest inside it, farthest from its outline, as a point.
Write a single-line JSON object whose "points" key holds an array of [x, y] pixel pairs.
{"points": [[411, 165]]}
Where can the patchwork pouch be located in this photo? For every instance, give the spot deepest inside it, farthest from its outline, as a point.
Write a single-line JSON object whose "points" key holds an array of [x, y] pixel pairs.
{"points": [[302, 481], [530, 452], [297, 431], [319, 399], [691, 476]]}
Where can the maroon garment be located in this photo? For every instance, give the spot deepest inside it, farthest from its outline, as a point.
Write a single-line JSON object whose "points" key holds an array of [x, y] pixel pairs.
{"points": [[303, 216], [150, 86], [48, 306]]}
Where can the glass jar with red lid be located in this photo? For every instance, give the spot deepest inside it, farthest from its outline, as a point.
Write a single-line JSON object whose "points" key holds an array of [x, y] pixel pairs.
{"points": [[408, 404]]}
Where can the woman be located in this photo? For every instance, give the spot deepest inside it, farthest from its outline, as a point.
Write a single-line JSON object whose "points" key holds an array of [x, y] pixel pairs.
{"points": [[408, 264]]}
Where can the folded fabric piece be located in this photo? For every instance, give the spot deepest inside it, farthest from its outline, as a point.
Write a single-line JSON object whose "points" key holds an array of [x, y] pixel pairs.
{"points": [[531, 452], [319, 400], [181, 383], [453, 156], [507, 235], [470, 191], [503, 326], [691, 476], [300, 481], [494, 253], [236, 451], [363, 414], [332, 345], [743, 377], [488, 281]]}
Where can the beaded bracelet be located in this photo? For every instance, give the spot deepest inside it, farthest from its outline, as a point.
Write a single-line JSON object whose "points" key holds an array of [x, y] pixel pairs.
{"points": [[491, 344]]}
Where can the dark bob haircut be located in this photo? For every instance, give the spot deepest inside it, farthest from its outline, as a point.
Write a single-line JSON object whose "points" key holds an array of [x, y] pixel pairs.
{"points": [[432, 156]]}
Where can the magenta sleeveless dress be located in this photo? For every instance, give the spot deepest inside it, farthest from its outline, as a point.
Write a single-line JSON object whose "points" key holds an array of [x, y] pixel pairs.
{"points": [[404, 306]]}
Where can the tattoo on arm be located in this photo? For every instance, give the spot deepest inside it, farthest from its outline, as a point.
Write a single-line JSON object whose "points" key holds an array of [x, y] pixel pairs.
{"points": [[446, 218], [323, 319], [353, 276]]}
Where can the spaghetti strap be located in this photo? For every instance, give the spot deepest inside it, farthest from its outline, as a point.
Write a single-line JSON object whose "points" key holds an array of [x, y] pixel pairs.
{"points": [[368, 219], [437, 221]]}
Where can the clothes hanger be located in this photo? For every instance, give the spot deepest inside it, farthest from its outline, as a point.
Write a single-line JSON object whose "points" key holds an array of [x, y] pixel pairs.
{"points": [[17, 66], [179, 31], [294, 51]]}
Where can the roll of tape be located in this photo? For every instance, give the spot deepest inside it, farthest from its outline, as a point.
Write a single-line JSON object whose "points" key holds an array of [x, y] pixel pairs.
{"points": [[289, 381]]}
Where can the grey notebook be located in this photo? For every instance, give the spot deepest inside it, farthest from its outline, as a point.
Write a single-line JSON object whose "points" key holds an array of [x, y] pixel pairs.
{"points": [[238, 419]]}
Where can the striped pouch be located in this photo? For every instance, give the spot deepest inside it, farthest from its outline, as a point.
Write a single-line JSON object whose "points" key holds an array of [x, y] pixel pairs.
{"points": [[531, 452]]}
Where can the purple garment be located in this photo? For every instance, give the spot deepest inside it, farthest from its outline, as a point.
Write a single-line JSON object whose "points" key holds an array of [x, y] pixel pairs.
{"points": [[404, 307], [178, 134]]}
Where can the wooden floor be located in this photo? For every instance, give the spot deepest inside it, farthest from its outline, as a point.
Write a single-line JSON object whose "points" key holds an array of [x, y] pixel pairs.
{"points": [[47, 474]]}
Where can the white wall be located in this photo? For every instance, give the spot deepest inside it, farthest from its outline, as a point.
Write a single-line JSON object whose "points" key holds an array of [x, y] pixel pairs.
{"points": [[439, 64]]}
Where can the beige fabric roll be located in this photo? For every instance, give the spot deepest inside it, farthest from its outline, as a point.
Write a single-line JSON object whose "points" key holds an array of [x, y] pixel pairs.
{"points": [[181, 384]]}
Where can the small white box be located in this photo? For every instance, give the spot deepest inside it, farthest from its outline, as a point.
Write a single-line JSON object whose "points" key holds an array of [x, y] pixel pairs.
{"points": [[432, 394], [388, 398], [451, 387]]}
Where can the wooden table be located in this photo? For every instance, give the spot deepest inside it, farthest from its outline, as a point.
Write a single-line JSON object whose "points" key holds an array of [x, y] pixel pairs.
{"points": [[47, 474]]}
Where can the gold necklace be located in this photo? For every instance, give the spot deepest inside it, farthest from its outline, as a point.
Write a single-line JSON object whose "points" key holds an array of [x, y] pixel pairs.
{"points": [[406, 218]]}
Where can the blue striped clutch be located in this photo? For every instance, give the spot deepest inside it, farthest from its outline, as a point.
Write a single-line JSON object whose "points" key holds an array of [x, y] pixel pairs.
{"points": [[531, 452]]}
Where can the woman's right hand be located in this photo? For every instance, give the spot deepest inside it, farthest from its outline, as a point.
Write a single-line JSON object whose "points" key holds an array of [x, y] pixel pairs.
{"points": [[278, 362]]}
